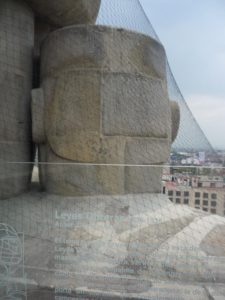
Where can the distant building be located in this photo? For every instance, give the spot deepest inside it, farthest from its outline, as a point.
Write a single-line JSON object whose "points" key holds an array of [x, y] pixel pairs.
{"points": [[201, 192]]}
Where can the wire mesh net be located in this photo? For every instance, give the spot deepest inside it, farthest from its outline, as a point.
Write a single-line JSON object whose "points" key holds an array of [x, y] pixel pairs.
{"points": [[106, 214], [129, 14]]}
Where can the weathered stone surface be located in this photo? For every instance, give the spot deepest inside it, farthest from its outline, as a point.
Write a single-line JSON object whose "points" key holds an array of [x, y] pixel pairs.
{"points": [[134, 247], [145, 151], [214, 242], [66, 12], [61, 176], [143, 179], [73, 117], [103, 48], [105, 102], [135, 106], [16, 47], [175, 113], [15, 169]]}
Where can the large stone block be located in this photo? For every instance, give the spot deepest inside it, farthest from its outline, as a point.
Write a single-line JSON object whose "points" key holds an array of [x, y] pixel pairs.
{"points": [[65, 177], [103, 48], [102, 101], [66, 12], [144, 151], [16, 48], [132, 105], [73, 118], [142, 179]]}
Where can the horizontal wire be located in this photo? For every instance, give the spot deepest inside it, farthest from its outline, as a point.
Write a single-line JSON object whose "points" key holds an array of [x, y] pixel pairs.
{"points": [[114, 165]]}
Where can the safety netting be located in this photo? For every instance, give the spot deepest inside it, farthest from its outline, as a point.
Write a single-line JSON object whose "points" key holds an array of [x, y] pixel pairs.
{"points": [[101, 214], [129, 14]]}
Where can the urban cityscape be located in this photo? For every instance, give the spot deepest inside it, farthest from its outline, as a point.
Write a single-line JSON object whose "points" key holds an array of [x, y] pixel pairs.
{"points": [[196, 179]]}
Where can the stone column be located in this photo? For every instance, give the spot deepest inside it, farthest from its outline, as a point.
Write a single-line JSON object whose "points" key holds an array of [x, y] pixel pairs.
{"points": [[16, 47], [103, 101]]}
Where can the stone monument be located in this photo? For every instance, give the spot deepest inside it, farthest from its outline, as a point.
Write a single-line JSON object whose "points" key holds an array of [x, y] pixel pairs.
{"points": [[103, 123], [16, 50], [21, 36], [112, 103]]}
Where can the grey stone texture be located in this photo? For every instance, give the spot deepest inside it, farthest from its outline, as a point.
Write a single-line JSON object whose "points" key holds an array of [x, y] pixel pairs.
{"points": [[16, 48], [62, 13], [103, 100], [175, 110], [139, 246]]}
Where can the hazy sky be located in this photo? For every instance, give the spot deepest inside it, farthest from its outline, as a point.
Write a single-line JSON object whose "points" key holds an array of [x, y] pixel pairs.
{"points": [[193, 33]]}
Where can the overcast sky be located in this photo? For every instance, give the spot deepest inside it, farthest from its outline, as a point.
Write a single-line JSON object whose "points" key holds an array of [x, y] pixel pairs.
{"points": [[193, 33]]}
